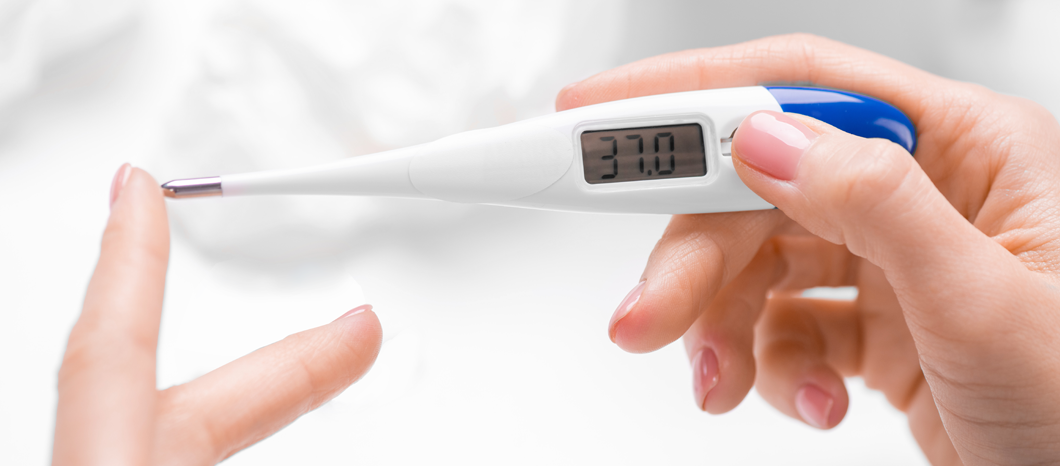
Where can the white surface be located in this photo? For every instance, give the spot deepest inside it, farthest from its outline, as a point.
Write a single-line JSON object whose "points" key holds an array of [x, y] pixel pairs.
{"points": [[495, 319], [36, 33]]}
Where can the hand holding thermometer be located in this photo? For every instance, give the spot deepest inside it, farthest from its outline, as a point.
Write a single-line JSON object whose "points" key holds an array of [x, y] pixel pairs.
{"points": [[662, 154]]}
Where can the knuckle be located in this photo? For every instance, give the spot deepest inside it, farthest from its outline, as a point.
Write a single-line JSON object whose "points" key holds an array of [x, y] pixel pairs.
{"points": [[188, 434], [979, 125], [75, 360], [1037, 111], [872, 175], [802, 38], [967, 108], [687, 265], [313, 362], [976, 93], [803, 47], [91, 348]]}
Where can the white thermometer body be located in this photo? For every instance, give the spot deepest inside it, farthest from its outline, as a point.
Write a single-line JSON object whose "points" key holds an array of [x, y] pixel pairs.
{"points": [[663, 154]]}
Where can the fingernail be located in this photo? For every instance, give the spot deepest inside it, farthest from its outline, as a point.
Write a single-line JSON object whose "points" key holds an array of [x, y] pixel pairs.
{"points": [[355, 311], [624, 308], [773, 143], [704, 375], [120, 178], [814, 405]]}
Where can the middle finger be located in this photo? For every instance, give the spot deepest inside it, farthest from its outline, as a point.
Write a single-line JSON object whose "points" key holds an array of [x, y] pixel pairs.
{"points": [[696, 257], [252, 397], [721, 341]]}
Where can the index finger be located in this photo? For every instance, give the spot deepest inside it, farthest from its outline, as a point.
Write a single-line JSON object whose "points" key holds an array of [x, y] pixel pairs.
{"points": [[696, 257], [795, 58], [107, 380]]}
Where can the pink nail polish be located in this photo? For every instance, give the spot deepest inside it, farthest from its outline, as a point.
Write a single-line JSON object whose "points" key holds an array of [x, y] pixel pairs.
{"points": [[627, 305], [355, 311], [814, 405], [773, 143], [704, 375], [120, 178]]}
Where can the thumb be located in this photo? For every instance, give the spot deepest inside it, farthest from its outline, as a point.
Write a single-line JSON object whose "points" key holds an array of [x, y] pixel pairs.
{"points": [[872, 196]]}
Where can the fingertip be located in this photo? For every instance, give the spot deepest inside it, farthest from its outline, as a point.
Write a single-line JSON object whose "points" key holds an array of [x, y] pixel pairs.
{"points": [[566, 99], [624, 308], [621, 337], [806, 390], [363, 318], [145, 185], [137, 232], [705, 376], [121, 177], [722, 374], [134, 192], [356, 310], [361, 329], [820, 407], [626, 325], [636, 333], [772, 142]]}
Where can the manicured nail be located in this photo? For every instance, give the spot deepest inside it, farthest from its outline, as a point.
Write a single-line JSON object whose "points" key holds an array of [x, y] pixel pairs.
{"points": [[773, 143], [624, 308], [118, 182], [704, 375], [814, 405], [355, 311]]}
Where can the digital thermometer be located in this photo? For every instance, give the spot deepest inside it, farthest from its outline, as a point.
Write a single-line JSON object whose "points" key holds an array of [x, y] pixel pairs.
{"points": [[662, 154]]}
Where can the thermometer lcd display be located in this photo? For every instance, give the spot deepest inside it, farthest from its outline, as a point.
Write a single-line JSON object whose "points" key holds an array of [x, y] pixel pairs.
{"points": [[635, 154]]}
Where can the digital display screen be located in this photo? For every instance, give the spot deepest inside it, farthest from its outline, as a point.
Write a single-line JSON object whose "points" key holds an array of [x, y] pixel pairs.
{"points": [[649, 153]]}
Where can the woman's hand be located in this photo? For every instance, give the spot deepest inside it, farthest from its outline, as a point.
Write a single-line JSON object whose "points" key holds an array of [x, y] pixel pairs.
{"points": [[109, 409], [955, 253]]}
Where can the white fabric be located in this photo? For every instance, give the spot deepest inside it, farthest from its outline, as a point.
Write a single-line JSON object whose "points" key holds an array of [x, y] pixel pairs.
{"points": [[35, 33], [288, 84]]}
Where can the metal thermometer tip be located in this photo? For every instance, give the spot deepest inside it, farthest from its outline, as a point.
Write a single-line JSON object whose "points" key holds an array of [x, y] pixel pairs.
{"points": [[193, 187]]}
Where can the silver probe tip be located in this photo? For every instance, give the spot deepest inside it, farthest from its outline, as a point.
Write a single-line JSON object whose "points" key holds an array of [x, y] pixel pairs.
{"points": [[193, 187]]}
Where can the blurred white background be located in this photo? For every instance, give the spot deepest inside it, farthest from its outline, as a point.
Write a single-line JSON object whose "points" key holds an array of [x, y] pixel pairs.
{"points": [[495, 319]]}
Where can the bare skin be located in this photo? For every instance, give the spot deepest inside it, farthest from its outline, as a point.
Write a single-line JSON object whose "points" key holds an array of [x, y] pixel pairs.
{"points": [[110, 411], [955, 255]]}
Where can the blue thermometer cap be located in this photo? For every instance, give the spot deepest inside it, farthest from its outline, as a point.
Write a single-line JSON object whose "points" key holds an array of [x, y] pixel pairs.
{"points": [[854, 113]]}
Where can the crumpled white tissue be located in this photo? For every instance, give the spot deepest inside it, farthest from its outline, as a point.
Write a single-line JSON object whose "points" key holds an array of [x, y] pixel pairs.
{"points": [[35, 33], [286, 84]]}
